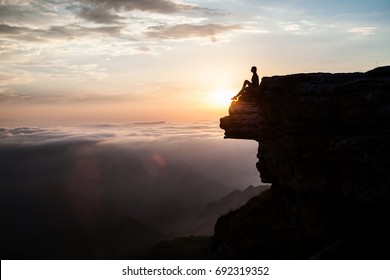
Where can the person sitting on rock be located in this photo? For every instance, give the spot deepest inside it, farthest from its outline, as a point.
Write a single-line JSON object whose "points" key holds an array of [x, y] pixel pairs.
{"points": [[248, 86]]}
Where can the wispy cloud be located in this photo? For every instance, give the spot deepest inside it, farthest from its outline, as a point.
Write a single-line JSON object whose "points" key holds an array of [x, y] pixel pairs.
{"points": [[37, 13], [111, 12], [8, 95], [182, 31], [155, 6], [111, 27], [365, 31], [108, 15], [11, 96], [55, 32], [99, 15]]}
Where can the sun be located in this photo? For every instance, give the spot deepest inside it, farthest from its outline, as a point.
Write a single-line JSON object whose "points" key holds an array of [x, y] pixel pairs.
{"points": [[222, 97]]}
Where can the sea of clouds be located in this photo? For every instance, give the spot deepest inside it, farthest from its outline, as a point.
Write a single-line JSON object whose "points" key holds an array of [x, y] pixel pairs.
{"points": [[198, 146], [158, 173]]}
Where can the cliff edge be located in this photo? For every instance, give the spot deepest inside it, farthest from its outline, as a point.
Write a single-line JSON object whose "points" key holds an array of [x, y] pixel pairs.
{"points": [[324, 144]]}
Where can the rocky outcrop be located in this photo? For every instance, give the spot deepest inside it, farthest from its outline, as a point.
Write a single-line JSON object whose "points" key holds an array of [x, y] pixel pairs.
{"points": [[324, 144]]}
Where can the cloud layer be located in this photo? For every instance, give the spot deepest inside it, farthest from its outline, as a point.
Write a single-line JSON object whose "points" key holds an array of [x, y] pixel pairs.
{"points": [[70, 180], [199, 146]]}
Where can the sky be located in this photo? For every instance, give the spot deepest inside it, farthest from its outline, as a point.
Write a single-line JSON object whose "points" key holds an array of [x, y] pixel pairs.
{"points": [[64, 61]]}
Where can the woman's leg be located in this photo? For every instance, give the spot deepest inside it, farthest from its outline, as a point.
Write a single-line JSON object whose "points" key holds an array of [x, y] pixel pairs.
{"points": [[246, 83]]}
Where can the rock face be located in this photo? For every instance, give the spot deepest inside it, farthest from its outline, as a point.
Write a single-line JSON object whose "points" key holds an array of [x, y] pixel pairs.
{"points": [[324, 144]]}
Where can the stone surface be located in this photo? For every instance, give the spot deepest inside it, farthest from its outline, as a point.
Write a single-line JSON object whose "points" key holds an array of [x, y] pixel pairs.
{"points": [[324, 144]]}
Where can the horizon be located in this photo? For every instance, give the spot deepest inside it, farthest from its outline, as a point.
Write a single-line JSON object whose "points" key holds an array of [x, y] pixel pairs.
{"points": [[120, 61]]}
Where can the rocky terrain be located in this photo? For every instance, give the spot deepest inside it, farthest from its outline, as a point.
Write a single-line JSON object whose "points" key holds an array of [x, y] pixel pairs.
{"points": [[324, 144]]}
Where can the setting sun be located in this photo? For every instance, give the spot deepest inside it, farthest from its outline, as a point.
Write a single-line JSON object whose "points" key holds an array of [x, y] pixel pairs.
{"points": [[222, 97]]}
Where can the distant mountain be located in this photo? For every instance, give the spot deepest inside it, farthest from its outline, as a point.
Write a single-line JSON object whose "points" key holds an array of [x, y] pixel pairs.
{"points": [[192, 240], [203, 223]]}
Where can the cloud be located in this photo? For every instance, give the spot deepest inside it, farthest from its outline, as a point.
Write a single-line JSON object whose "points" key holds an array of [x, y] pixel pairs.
{"points": [[119, 20], [36, 13], [143, 49], [181, 31], [156, 6], [11, 96], [55, 32], [365, 31], [7, 29], [198, 147], [8, 95], [98, 15], [290, 26], [46, 20], [59, 181], [28, 136], [106, 11]]}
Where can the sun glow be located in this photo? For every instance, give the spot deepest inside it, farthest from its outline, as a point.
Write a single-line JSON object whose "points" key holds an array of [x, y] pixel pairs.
{"points": [[222, 98]]}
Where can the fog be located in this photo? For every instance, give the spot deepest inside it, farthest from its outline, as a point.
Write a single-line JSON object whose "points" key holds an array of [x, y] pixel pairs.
{"points": [[159, 174]]}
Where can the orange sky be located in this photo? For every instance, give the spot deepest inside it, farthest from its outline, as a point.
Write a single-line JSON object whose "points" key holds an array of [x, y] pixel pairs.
{"points": [[117, 61]]}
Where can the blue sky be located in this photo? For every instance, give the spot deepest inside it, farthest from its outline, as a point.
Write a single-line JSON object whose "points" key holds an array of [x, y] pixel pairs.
{"points": [[123, 60]]}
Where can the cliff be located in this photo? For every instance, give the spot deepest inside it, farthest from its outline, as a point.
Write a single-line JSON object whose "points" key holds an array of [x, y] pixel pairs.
{"points": [[324, 144]]}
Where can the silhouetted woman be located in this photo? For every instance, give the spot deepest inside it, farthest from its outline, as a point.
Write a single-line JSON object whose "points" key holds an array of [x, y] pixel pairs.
{"points": [[247, 84]]}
